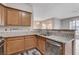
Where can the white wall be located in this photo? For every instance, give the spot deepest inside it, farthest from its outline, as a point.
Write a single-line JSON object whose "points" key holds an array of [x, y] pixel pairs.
{"points": [[48, 10], [65, 23], [57, 24], [22, 6], [52, 23]]}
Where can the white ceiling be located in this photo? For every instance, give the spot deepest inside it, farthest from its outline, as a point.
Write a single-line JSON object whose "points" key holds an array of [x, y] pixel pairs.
{"points": [[21, 6], [42, 11]]}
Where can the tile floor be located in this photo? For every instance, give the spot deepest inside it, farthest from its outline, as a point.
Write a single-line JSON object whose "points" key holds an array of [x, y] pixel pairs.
{"points": [[31, 52]]}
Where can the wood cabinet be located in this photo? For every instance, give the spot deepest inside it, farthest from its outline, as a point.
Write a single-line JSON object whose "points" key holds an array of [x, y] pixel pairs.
{"points": [[26, 19], [16, 17], [30, 42], [12, 17], [2, 15], [14, 45], [41, 44]]}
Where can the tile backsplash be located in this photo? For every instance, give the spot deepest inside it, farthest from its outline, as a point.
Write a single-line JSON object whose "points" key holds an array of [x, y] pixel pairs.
{"points": [[14, 28], [56, 33]]}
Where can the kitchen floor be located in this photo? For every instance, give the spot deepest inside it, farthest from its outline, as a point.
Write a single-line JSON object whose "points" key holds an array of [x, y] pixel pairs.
{"points": [[31, 52]]}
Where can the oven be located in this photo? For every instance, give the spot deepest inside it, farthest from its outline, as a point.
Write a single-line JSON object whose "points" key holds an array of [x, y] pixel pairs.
{"points": [[53, 48]]}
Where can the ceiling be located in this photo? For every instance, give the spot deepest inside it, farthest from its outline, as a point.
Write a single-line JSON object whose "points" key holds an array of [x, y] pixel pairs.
{"points": [[42, 11]]}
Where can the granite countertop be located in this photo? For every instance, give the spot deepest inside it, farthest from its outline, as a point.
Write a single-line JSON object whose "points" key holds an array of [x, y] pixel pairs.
{"points": [[58, 38], [52, 37], [14, 34]]}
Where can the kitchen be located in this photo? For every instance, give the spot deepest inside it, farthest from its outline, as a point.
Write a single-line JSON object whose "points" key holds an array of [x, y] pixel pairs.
{"points": [[38, 29]]}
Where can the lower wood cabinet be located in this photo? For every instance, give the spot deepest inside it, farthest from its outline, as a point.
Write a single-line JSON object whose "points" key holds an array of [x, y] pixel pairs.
{"points": [[30, 42], [14, 45], [41, 44]]}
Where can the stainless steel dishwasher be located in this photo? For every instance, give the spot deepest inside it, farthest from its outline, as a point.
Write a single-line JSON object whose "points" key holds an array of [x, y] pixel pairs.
{"points": [[53, 48], [1, 46]]}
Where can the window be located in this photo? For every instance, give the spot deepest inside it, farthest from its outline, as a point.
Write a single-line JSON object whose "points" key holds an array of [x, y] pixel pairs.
{"points": [[75, 25], [72, 24]]}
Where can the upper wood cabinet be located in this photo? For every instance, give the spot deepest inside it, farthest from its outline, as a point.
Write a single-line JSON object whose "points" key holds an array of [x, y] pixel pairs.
{"points": [[2, 15], [16, 17], [26, 19], [12, 17]]}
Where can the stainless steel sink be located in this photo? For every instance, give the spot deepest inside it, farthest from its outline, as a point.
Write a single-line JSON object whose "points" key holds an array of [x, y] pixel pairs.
{"points": [[46, 34]]}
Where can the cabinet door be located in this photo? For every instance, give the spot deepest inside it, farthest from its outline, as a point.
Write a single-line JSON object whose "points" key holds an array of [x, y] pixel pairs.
{"points": [[2, 15], [26, 19], [41, 44], [12, 17], [14, 45], [30, 42]]}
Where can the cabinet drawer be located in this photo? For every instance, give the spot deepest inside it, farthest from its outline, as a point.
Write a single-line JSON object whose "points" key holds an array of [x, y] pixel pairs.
{"points": [[30, 37], [14, 38]]}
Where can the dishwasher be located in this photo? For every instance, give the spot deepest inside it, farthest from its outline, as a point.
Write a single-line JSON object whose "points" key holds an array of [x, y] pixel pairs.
{"points": [[53, 48], [1, 46]]}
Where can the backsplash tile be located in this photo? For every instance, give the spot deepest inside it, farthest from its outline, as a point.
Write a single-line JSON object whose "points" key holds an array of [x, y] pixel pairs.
{"points": [[14, 29]]}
